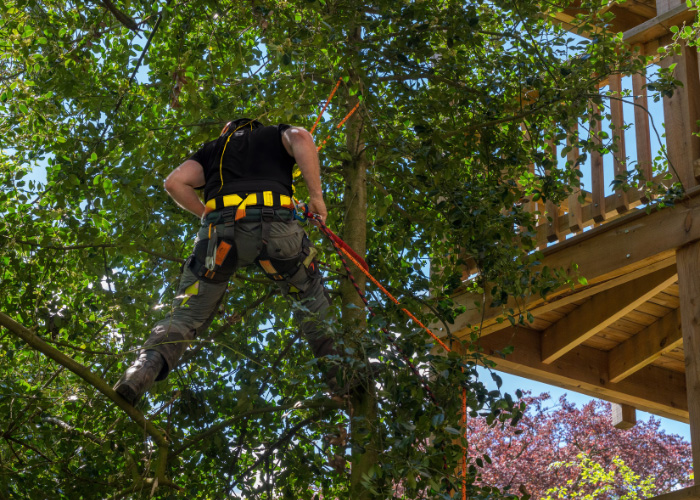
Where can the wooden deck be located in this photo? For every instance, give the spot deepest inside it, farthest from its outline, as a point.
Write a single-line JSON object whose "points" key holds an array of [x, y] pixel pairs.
{"points": [[617, 338]]}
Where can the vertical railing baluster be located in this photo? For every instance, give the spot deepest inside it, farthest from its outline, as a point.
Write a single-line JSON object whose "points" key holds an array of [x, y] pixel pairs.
{"points": [[552, 210], [597, 172], [575, 217], [619, 154], [641, 128]]}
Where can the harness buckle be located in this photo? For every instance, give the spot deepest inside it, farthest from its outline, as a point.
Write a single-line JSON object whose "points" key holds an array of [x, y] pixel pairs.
{"points": [[267, 214], [229, 215]]}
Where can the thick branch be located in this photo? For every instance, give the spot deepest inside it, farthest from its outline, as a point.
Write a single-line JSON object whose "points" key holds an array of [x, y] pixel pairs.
{"points": [[120, 16], [50, 352]]}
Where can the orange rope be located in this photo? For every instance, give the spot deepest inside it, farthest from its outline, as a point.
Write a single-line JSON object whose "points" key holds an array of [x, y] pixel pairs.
{"points": [[328, 101], [394, 300], [390, 296], [339, 125], [464, 454], [435, 337]]}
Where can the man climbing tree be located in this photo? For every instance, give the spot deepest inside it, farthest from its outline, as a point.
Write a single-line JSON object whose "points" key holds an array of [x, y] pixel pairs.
{"points": [[248, 218], [105, 98]]}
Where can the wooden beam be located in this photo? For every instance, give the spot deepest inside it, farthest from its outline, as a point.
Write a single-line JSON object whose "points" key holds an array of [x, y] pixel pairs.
{"points": [[688, 259], [623, 416], [601, 311], [585, 370], [658, 26], [646, 346]]}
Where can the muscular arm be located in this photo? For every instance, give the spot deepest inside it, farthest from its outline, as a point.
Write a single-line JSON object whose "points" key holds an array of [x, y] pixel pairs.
{"points": [[181, 184], [299, 144]]}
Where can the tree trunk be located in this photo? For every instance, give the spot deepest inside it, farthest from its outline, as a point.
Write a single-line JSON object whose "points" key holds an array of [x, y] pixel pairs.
{"points": [[364, 404]]}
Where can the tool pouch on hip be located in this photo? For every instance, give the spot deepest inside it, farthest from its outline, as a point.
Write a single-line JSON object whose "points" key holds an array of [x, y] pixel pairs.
{"points": [[215, 257]]}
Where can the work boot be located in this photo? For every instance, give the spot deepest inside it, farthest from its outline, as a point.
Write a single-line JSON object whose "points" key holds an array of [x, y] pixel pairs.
{"points": [[139, 377]]}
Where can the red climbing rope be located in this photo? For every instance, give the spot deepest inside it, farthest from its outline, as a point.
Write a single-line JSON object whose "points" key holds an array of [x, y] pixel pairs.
{"points": [[340, 250], [344, 250]]}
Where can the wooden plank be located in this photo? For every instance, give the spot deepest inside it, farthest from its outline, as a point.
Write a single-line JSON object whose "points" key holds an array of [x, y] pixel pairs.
{"points": [[574, 218], [641, 318], [623, 416], [639, 8], [688, 259], [641, 127], [602, 310], [664, 6], [585, 370], [597, 171], [658, 26], [654, 309], [551, 210], [681, 112], [618, 132], [645, 347], [556, 301]]}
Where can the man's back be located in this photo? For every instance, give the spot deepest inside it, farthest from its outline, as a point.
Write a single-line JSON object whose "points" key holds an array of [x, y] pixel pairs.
{"points": [[246, 160]]}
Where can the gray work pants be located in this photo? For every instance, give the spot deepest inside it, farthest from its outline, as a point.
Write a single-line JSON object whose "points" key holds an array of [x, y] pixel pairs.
{"points": [[197, 300]]}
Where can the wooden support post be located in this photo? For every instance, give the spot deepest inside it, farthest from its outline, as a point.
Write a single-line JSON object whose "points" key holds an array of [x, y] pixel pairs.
{"points": [[575, 219], [618, 123], [667, 5], [597, 171], [641, 126], [681, 113], [623, 416], [688, 263]]}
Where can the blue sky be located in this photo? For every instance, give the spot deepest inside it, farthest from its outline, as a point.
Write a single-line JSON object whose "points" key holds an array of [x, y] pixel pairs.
{"points": [[512, 382]]}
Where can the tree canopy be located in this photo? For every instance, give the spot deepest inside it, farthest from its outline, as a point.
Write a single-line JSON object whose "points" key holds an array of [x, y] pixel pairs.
{"points": [[108, 97]]}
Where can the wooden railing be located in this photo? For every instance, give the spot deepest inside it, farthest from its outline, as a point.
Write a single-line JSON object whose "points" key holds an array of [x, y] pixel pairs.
{"points": [[603, 203]]}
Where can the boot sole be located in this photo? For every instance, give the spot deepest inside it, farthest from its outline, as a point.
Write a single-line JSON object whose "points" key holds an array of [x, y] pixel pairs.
{"points": [[127, 392]]}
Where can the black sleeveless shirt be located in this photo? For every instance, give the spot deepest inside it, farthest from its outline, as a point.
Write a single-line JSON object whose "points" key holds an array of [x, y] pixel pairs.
{"points": [[253, 161]]}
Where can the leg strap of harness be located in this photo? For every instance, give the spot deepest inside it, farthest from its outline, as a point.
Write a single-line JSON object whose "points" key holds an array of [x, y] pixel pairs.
{"points": [[221, 243]]}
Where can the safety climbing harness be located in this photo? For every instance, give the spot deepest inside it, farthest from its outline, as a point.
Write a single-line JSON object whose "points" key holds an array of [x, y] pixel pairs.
{"points": [[218, 261]]}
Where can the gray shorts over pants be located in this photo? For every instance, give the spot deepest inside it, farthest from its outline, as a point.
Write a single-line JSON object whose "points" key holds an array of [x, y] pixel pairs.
{"points": [[197, 299]]}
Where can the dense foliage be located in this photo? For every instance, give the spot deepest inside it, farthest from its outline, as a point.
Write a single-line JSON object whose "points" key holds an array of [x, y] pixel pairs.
{"points": [[523, 456], [107, 97]]}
